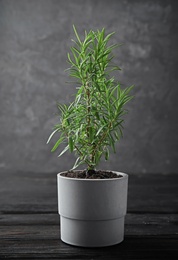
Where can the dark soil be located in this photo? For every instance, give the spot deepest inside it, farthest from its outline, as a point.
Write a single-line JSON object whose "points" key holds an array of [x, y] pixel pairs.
{"points": [[91, 175]]}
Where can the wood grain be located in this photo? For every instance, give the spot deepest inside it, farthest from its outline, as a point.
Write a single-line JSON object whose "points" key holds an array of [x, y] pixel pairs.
{"points": [[30, 228]]}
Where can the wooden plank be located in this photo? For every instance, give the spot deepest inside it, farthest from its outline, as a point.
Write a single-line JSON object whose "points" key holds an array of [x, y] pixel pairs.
{"points": [[28, 189], [152, 225], [153, 193], [28, 192], [29, 223], [28, 208], [132, 248], [37, 193], [39, 226], [29, 219]]}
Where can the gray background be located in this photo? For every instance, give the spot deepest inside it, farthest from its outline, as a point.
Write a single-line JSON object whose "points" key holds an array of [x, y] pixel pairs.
{"points": [[35, 36]]}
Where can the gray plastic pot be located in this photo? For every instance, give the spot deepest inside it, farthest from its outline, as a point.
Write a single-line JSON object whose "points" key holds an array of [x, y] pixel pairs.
{"points": [[92, 211]]}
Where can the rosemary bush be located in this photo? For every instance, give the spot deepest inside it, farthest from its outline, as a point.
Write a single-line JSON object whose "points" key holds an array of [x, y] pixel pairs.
{"points": [[93, 122]]}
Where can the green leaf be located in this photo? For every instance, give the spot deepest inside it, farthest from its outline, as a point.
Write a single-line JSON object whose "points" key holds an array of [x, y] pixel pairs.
{"points": [[76, 34], [62, 108], [71, 144], [100, 129], [52, 135], [76, 50], [120, 130], [106, 154], [117, 136], [71, 61], [77, 163], [59, 141], [112, 142], [98, 157], [108, 37], [86, 45], [63, 151]]}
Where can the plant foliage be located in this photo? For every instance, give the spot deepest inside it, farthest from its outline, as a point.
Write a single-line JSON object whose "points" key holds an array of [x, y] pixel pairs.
{"points": [[92, 124]]}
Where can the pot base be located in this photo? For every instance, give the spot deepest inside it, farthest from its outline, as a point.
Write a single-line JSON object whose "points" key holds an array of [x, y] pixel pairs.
{"points": [[91, 233]]}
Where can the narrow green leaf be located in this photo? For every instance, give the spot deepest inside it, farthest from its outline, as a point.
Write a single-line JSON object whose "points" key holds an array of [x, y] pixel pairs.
{"points": [[100, 129], [59, 141], [106, 154], [51, 135], [77, 43], [76, 34], [117, 136], [76, 50], [62, 108], [71, 144], [87, 45], [63, 151], [78, 163], [108, 37], [112, 142], [99, 154], [70, 60]]}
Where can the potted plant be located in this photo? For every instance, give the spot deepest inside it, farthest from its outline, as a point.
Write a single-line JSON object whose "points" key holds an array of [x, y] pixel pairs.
{"points": [[92, 203]]}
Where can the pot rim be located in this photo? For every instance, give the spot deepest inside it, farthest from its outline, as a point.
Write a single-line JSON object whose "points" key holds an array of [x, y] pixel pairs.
{"points": [[124, 176]]}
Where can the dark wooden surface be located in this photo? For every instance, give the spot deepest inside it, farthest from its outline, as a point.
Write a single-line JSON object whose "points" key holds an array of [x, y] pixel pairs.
{"points": [[29, 223]]}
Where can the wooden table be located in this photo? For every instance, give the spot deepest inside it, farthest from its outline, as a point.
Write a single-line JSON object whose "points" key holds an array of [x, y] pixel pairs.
{"points": [[29, 223]]}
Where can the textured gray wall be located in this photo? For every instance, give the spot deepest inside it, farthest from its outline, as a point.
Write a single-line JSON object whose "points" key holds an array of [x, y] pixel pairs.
{"points": [[35, 36]]}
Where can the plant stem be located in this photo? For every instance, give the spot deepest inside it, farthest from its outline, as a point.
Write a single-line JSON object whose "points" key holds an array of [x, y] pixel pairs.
{"points": [[102, 138], [88, 94], [86, 161], [88, 109]]}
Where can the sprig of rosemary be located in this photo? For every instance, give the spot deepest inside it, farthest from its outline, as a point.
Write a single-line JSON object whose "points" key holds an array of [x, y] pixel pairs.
{"points": [[93, 122]]}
